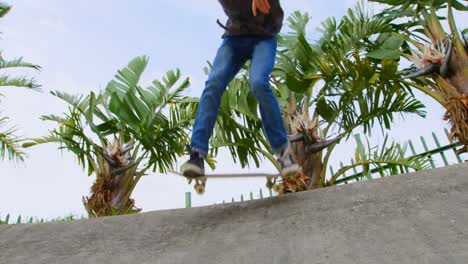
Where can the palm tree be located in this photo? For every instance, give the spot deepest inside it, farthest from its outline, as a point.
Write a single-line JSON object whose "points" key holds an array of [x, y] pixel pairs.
{"points": [[331, 87], [123, 132], [440, 58], [9, 142]]}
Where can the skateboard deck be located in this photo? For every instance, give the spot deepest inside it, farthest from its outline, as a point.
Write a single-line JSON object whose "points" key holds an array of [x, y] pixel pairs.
{"points": [[200, 182]]}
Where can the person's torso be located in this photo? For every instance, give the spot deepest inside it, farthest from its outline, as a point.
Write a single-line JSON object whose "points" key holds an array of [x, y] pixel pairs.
{"points": [[241, 20]]}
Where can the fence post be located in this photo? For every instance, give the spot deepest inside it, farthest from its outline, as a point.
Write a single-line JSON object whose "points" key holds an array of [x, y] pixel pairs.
{"points": [[402, 153], [413, 150], [188, 200], [331, 170], [427, 149], [261, 194], [454, 149], [438, 146], [354, 168], [342, 165]]}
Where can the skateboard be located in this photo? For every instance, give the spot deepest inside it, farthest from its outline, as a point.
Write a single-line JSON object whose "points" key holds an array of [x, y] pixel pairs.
{"points": [[200, 182]]}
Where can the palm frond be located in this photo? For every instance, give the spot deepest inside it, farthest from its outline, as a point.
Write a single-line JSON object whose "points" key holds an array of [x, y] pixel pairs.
{"points": [[4, 9], [25, 82], [389, 160], [17, 63], [71, 135], [21, 81], [295, 56], [402, 5], [121, 92], [43, 140], [170, 89], [360, 90], [10, 147], [370, 107], [128, 77], [354, 32], [77, 101]]}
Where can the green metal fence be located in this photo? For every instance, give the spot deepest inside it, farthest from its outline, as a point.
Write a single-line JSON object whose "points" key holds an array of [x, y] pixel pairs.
{"points": [[439, 156], [20, 220], [7, 219]]}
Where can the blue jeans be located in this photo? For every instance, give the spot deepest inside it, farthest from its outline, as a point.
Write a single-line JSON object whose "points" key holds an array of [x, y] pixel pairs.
{"points": [[231, 56]]}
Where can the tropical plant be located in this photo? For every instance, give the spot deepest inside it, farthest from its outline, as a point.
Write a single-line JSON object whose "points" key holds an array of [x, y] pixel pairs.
{"points": [[332, 87], [386, 160], [123, 132], [10, 143], [440, 57]]}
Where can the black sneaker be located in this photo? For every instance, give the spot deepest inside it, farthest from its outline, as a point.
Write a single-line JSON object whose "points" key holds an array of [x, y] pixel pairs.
{"points": [[288, 165], [195, 166]]}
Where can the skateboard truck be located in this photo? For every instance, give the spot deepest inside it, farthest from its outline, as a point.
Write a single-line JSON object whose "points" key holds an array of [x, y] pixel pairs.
{"points": [[200, 185]]}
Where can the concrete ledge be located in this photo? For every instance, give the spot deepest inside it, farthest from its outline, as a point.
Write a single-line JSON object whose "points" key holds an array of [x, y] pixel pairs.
{"points": [[417, 218]]}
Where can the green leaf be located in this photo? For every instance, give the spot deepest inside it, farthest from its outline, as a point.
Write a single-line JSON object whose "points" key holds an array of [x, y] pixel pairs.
{"points": [[9, 143], [324, 110], [92, 106], [298, 86], [123, 110], [393, 42], [374, 78], [389, 67], [458, 5], [383, 53], [108, 128]]}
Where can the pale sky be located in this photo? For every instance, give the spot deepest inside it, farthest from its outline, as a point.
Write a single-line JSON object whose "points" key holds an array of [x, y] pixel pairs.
{"points": [[81, 44]]}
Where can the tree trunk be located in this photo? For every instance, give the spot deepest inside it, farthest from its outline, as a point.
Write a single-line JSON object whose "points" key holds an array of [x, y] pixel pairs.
{"points": [[108, 196], [309, 178], [454, 89], [311, 164]]}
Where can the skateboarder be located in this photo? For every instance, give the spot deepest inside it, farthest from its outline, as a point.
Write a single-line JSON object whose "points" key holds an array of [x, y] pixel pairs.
{"points": [[250, 33]]}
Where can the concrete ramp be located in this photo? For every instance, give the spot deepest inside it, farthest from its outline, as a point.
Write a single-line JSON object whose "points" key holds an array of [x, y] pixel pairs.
{"points": [[417, 218]]}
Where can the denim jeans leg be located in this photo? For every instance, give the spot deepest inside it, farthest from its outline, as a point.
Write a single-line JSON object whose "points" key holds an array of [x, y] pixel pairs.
{"points": [[263, 60], [227, 63]]}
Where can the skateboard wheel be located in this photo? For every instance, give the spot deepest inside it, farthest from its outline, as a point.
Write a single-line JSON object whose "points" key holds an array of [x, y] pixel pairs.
{"points": [[199, 188]]}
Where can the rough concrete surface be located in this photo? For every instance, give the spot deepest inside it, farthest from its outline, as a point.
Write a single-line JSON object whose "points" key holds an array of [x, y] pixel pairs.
{"points": [[418, 218]]}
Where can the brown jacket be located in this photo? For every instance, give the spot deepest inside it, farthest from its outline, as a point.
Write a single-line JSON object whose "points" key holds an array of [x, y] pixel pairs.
{"points": [[242, 22]]}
